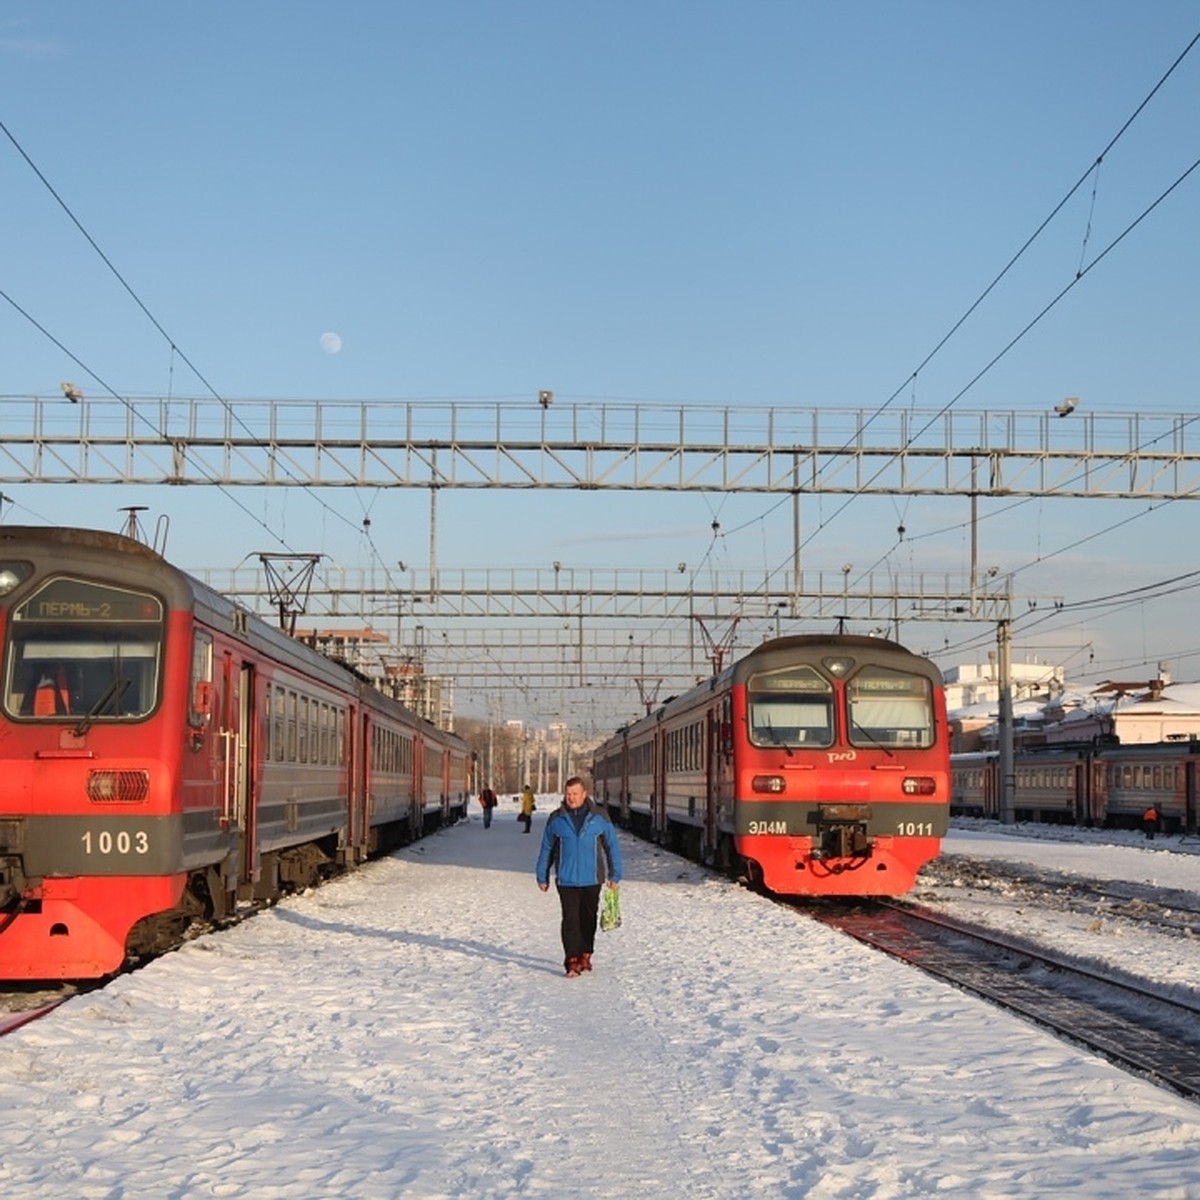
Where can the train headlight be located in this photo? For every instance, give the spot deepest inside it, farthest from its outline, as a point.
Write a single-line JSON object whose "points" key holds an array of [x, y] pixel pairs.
{"points": [[11, 574], [772, 784], [118, 787], [919, 785]]}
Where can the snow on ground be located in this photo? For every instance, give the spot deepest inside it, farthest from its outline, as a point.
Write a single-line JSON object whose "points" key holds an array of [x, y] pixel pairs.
{"points": [[1038, 902], [408, 1032]]}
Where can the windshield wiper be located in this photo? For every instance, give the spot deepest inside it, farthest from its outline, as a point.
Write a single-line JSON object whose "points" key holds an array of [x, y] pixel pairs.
{"points": [[866, 735], [775, 739], [116, 690]]}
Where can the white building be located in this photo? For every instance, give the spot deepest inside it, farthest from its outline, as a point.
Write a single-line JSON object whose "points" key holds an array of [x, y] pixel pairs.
{"points": [[979, 683]]}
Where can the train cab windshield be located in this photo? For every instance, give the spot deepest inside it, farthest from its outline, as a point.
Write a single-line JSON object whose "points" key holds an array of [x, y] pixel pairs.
{"points": [[890, 708], [790, 707], [83, 651]]}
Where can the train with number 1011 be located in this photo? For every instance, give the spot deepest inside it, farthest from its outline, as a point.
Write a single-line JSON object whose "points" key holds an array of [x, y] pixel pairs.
{"points": [[166, 756], [817, 765]]}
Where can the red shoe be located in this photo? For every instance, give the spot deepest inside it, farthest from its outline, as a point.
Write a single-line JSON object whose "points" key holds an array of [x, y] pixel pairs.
{"points": [[585, 962], [572, 968]]}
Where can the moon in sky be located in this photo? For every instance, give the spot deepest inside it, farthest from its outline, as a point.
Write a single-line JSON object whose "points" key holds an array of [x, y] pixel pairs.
{"points": [[331, 343]]}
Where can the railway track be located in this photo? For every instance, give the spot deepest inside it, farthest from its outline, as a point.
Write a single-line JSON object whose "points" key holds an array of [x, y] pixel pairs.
{"points": [[20, 1004], [14, 1019], [1126, 1022]]}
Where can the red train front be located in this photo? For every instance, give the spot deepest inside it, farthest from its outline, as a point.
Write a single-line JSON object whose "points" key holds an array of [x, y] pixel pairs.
{"points": [[820, 764], [841, 765], [90, 834], [165, 756]]}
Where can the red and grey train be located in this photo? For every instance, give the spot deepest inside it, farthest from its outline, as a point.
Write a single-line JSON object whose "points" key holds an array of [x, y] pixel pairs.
{"points": [[819, 765], [168, 756], [1105, 785]]}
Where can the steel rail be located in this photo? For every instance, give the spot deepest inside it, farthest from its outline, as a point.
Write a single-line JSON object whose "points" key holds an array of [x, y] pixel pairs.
{"points": [[1127, 1022]]}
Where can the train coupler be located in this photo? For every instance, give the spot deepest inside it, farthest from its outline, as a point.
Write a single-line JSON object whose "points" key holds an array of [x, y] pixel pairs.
{"points": [[841, 831]]}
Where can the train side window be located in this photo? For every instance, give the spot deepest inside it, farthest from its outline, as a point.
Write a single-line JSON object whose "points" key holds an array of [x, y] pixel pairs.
{"points": [[293, 711], [278, 724], [200, 691], [303, 726]]}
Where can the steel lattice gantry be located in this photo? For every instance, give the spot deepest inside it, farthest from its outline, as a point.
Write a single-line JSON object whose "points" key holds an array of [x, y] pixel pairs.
{"points": [[599, 446], [595, 628], [594, 594]]}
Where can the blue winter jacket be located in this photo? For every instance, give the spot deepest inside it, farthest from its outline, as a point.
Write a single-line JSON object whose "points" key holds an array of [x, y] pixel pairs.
{"points": [[581, 859]]}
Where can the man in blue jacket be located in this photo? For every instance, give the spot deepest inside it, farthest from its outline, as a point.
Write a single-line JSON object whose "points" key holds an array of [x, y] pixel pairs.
{"points": [[580, 841]]}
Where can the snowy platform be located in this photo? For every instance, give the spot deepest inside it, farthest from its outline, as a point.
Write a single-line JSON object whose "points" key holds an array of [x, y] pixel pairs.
{"points": [[408, 1032]]}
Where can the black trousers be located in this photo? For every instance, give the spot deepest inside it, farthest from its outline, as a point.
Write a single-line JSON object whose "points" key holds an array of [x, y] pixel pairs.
{"points": [[579, 908]]}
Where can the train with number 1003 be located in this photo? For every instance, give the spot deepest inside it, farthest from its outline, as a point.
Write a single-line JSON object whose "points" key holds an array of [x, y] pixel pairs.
{"points": [[166, 756], [817, 765]]}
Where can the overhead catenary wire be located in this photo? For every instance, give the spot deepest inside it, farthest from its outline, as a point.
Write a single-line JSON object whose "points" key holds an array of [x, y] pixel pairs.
{"points": [[117, 396], [1081, 272], [171, 342], [1079, 275], [722, 536]]}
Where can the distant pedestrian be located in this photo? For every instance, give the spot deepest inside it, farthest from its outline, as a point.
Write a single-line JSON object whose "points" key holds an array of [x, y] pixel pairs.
{"points": [[528, 805], [1151, 821], [487, 801], [579, 840]]}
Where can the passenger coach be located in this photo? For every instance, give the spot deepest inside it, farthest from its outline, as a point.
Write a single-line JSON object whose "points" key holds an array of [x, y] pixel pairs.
{"points": [[1105, 784]]}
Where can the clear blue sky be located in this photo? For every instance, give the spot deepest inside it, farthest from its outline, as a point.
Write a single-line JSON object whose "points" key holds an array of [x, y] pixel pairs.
{"points": [[719, 203]]}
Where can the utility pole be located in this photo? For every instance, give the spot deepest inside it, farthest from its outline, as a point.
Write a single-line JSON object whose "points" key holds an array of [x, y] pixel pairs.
{"points": [[1007, 797], [491, 745], [795, 539]]}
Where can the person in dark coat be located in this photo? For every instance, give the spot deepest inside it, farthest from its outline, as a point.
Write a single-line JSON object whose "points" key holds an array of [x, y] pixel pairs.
{"points": [[581, 844], [487, 801]]}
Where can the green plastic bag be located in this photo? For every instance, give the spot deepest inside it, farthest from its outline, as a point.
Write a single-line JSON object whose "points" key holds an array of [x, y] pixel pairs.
{"points": [[610, 913]]}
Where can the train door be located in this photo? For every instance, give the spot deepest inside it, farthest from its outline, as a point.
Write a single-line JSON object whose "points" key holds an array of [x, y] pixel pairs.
{"points": [[418, 787], [1098, 811], [991, 788], [1189, 794], [237, 732], [623, 776], [246, 793], [712, 779], [354, 762], [371, 765], [659, 805]]}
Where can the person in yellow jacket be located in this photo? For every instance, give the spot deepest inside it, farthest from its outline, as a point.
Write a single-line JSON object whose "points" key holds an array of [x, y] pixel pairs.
{"points": [[527, 807]]}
